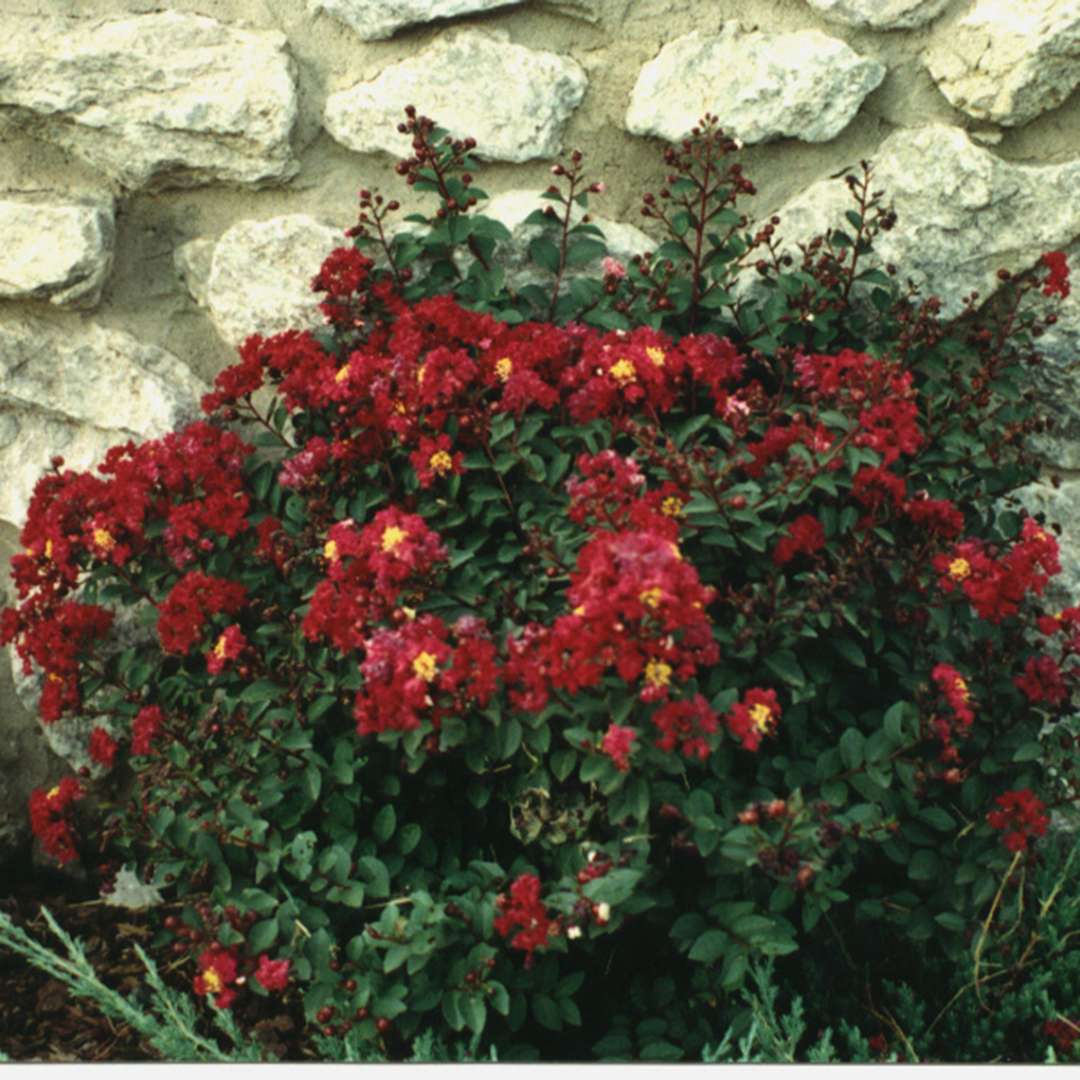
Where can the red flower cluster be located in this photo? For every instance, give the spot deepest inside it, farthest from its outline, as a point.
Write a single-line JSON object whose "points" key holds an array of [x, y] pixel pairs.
{"points": [[639, 607], [191, 602], [995, 586], [756, 716], [804, 536], [954, 689], [1021, 816], [145, 728], [407, 670], [1057, 283], [524, 916], [217, 973], [272, 975], [685, 726], [617, 744], [367, 570], [50, 819], [1063, 1031], [103, 747], [433, 460], [1042, 681], [230, 646]]}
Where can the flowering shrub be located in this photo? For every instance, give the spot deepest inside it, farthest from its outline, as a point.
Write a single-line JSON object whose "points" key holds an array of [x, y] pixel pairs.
{"points": [[530, 643]]}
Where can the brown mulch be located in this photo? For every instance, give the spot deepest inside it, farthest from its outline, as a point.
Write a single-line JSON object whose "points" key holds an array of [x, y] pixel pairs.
{"points": [[42, 1021]]}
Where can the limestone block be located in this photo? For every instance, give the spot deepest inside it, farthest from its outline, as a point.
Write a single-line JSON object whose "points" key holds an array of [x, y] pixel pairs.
{"points": [[373, 20], [54, 250], [160, 100], [77, 392], [761, 86], [1007, 61], [513, 100], [880, 14], [260, 276]]}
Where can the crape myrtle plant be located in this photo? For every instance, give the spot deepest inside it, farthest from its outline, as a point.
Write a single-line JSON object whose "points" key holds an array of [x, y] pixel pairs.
{"points": [[516, 658]]}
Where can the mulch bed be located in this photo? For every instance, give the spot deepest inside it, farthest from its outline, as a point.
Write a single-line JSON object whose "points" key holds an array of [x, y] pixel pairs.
{"points": [[42, 1021]]}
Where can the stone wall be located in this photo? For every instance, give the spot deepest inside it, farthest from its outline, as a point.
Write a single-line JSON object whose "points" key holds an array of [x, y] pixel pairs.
{"points": [[170, 180]]}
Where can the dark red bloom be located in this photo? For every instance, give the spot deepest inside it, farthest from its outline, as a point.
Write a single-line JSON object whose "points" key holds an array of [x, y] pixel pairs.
{"points": [[756, 716], [272, 974], [1057, 282], [102, 747], [524, 916], [145, 728], [50, 819], [1021, 816], [617, 744], [217, 971], [196, 597], [805, 536]]}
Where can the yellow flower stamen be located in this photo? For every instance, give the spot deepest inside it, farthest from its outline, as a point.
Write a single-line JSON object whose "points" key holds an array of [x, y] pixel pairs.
{"points": [[657, 356], [959, 569], [657, 673], [420, 374], [580, 609], [219, 648], [399, 407], [212, 981], [392, 536], [53, 792], [622, 371], [48, 549], [651, 597], [425, 666], [675, 551], [342, 375], [330, 551], [410, 613], [441, 462], [503, 368], [104, 539], [962, 689], [762, 716], [671, 506]]}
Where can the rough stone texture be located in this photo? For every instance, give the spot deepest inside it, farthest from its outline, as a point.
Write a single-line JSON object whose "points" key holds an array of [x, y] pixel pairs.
{"points": [[76, 392], [1008, 61], [55, 251], [760, 86], [962, 212], [374, 20], [193, 262], [880, 14], [514, 101], [161, 100], [260, 276]]}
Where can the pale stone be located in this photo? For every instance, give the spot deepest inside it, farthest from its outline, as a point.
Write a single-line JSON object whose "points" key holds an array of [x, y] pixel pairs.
{"points": [[962, 212], [129, 892], [77, 392], [55, 251], [373, 20], [514, 101], [1007, 61], [880, 14], [160, 100], [260, 276], [760, 86], [192, 262]]}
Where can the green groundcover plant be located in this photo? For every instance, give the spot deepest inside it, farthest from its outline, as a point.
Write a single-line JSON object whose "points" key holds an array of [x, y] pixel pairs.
{"points": [[518, 660]]}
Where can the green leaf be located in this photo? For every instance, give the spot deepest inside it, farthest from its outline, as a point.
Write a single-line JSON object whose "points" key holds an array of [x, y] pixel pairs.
{"points": [[785, 665], [545, 254], [546, 1012], [923, 865], [475, 1013], [262, 935], [710, 946], [849, 651], [851, 748], [1030, 751], [614, 887], [384, 823]]}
